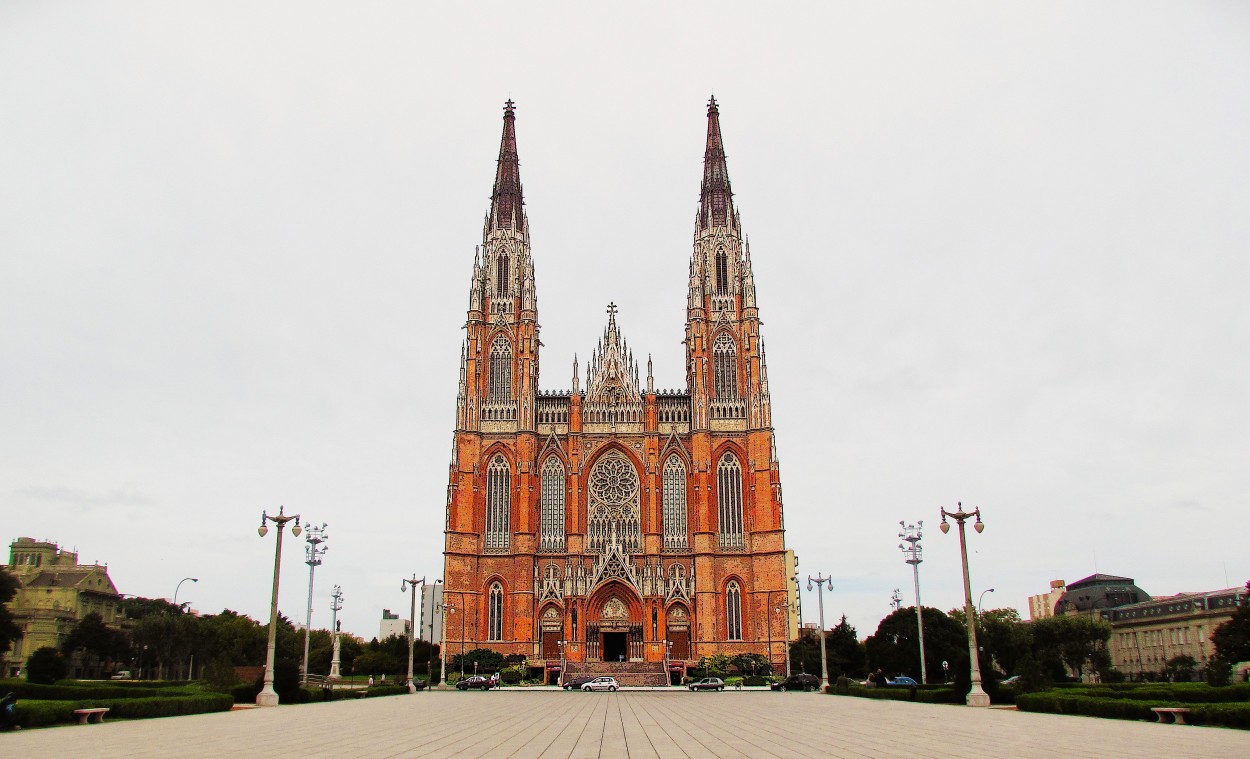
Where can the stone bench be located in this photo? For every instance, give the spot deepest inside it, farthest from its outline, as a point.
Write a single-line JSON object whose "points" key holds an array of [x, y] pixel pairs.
{"points": [[87, 716], [1170, 714]]}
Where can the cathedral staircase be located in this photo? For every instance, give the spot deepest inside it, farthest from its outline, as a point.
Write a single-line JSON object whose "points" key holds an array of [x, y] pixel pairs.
{"points": [[635, 673]]}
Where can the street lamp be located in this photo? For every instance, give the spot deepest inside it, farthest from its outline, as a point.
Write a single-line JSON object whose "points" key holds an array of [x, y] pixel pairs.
{"points": [[313, 553], [336, 603], [982, 598], [451, 609], [789, 607], [179, 587], [435, 607], [913, 554], [820, 602], [896, 600], [268, 696], [977, 696], [411, 586]]}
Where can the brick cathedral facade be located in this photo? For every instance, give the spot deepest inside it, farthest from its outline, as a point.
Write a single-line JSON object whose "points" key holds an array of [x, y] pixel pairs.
{"points": [[614, 522]]}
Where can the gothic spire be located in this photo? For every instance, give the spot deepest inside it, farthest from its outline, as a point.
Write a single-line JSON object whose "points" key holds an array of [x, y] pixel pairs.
{"points": [[715, 196], [505, 201]]}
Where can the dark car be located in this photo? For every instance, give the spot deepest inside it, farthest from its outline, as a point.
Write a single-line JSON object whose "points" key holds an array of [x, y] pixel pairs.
{"points": [[476, 681], [576, 683], [798, 682], [708, 683]]}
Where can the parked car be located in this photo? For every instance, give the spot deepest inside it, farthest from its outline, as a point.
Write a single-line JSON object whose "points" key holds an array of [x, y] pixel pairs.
{"points": [[1011, 682], [122, 675], [476, 682], [708, 683], [576, 683], [901, 680], [601, 683], [798, 682]]}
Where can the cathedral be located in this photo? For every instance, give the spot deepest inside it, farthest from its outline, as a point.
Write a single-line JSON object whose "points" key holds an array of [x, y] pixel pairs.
{"points": [[614, 528]]}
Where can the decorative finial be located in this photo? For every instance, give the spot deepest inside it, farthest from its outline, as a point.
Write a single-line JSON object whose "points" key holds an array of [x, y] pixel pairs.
{"points": [[509, 107]]}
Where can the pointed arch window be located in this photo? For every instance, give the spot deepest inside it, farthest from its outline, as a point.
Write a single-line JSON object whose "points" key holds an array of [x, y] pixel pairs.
{"points": [[551, 537], [494, 613], [500, 388], [729, 502], [733, 611], [498, 505], [675, 505], [503, 275], [725, 368], [722, 272]]}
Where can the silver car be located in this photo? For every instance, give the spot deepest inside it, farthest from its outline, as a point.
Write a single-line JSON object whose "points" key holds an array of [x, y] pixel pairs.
{"points": [[601, 683]]}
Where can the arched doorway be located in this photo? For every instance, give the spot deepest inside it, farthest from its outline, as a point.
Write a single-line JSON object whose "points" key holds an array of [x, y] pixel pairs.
{"points": [[614, 625], [678, 632]]}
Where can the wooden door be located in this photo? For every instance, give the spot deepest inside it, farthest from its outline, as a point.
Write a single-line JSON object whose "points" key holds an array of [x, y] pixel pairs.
{"points": [[551, 645]]}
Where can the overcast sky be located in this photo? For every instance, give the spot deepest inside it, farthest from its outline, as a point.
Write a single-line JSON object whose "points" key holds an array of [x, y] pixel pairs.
{"points": [[1001, 252]]}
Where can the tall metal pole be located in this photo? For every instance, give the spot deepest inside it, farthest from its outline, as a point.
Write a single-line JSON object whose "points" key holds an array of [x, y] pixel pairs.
{"points": [[977, 696], [268, 696], [411, 585], [435, 607], [820, 581], [336, 603], [179, 587], [913, 554], [313, 551]]}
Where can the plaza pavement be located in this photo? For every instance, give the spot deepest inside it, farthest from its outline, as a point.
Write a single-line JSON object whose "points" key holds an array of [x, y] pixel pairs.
{"points": [[551, 723]]}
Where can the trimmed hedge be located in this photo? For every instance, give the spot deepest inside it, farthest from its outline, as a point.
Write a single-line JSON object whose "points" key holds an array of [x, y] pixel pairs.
{"points": [[1061, 702], [1188, 693], [66, 692], [386, 690], [37, 713], [924, 695]]}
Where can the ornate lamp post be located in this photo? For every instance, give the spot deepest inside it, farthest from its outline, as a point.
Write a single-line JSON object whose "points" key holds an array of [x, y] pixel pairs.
{"points": [[268, 696], [336, 603], [977, 696], [820, 602], [913, 554], [982, 598], [411, 586], [313, 552]]}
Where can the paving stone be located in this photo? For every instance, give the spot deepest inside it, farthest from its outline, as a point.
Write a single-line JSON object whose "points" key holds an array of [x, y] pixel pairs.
{"points": [[525, 724]]}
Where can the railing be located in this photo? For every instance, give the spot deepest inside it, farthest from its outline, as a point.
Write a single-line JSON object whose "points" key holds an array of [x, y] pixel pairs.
{"points": [[728, 409], [673, 409], [598, 412], [498, 411], [552, 410]]}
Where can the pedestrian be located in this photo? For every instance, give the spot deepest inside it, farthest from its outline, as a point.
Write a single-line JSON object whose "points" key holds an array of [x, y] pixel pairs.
{"points": [[370, 681], [8, 712]]}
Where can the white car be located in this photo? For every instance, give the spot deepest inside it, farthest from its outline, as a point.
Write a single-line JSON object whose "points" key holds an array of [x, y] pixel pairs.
{"points": [[601, 683]]}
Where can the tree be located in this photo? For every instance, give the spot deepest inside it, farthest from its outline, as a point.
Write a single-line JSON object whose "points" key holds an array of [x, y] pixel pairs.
{"points": [[9, 631], [895, 647], [1064, 645], [46, 666], [846, 655], [1181, 669], [751, 664], [487, 660], [1232, 638], [1005, 639], [97, 641]]}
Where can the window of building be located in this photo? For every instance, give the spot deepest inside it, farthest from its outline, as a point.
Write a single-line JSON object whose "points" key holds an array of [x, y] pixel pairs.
{"points": [[733, 611], [498, 504], [500, 390], [725, 368], [494, 622], [675, 505], [552, 506], [503, 276], [613, 511], [722, 272], [729, 501]]}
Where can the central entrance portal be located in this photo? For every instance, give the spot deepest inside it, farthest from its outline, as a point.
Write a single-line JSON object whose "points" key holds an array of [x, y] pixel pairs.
{"points": [[615, 646]]}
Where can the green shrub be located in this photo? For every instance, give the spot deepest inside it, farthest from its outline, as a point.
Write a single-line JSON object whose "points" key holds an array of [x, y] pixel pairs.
{"points": [[45, 666], [36, 713], [40, 713], [69, 690], [246, 693], [512, 675], [452, 678], [733, 682], [757, 680], [1113, 708], [1227, 715], [386, 690]]}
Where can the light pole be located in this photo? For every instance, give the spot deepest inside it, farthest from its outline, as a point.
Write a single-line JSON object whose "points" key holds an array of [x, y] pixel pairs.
{"points": [[179, 587], [268, 696], [820, 603], [313, 553], [977, 696], [789, 607], [411, 586], [896, 600], [451, 609], [982, 598], [336, 603], [913, 554], [435, 607]]}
